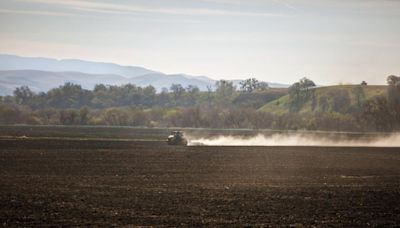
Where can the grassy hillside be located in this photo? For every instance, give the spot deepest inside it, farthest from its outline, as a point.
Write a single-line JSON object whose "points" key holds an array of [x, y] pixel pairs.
{"points": [[340, 98], [258, 99]]}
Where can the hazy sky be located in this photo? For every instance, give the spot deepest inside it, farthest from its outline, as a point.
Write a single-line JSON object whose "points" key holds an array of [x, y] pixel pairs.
{"points": [[335, 41]]}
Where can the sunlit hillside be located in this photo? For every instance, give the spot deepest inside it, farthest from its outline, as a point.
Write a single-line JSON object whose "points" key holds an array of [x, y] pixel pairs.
{"points": [[340, 98]]}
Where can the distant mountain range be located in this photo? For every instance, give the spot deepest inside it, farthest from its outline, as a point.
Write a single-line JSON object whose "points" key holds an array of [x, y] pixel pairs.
{"points": [[12, 62], [42, 74]]}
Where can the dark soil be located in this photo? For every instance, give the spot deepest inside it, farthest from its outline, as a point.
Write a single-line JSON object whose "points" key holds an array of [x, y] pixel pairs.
{"points": [[114, 183]]}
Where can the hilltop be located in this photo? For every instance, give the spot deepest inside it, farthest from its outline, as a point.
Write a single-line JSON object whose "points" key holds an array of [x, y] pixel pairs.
{"points": [[339, 98]]}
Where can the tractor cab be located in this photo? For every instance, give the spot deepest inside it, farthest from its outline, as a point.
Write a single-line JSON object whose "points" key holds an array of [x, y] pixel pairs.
{"points": [[176, 138]]}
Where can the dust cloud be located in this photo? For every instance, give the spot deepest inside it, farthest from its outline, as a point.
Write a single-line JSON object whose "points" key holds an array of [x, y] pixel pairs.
{"points": [[385, 140]]}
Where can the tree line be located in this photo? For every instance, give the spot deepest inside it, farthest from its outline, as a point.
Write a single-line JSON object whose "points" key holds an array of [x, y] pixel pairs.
{"points": [[72, 95], [223, 106]]}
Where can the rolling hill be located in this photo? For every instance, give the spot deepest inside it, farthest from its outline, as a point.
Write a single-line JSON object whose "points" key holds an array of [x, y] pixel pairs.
{"points": [[340, 98], [42, 74], [45, 80], [13, 62]]}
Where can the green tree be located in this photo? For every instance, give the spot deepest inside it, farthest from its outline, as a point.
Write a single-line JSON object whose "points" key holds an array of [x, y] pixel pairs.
{"points": [[306, 83], [23, 95], [69, 95], [149, 95], [392, 80], [300, 92], [192, 92], [252, 84], [177, 91], [224, 91]]}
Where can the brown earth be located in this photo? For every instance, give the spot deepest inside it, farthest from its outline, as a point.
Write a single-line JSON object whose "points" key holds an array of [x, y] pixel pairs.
{"points": [[51, 182]]}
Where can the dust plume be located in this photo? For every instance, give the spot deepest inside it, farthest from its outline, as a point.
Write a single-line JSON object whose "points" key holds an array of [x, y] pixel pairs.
{"points": [[385, 140]]}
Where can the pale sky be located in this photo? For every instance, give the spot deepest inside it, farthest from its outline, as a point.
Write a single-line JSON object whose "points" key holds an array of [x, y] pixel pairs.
{"points": [[329, 41]]}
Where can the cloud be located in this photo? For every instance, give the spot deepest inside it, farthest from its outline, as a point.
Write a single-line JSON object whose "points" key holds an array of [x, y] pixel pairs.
{"points": [[236, 2], [252, 2], [285, 4], [130, 8], [34, 12]]}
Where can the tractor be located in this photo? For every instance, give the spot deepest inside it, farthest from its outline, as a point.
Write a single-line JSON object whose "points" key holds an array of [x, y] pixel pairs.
{"points": [[177, 138]]}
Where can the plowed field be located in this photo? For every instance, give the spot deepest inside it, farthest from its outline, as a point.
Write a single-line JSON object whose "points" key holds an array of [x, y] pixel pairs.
{"points": [[56, 182]]}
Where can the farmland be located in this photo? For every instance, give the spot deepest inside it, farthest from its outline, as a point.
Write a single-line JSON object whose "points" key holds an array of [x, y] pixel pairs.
{"points": [[128, 176]]}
